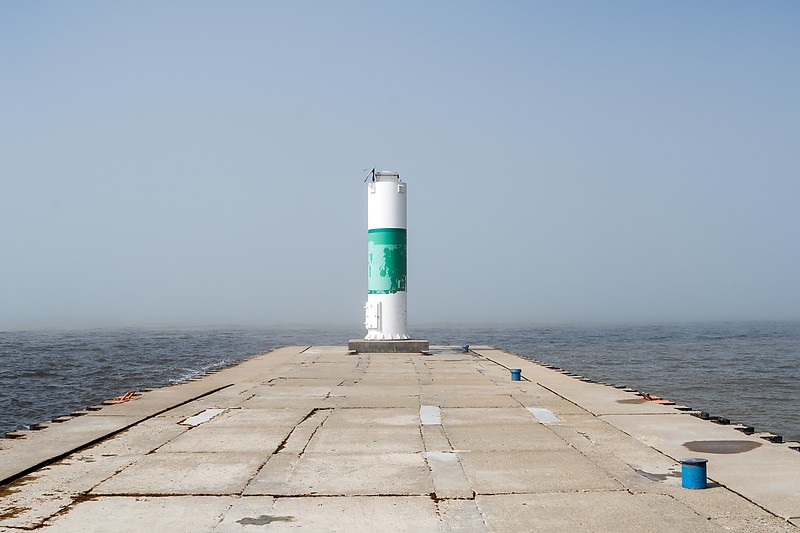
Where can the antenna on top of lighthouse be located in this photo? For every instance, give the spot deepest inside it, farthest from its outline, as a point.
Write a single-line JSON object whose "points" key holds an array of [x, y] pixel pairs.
{"points": [[380, 173]]}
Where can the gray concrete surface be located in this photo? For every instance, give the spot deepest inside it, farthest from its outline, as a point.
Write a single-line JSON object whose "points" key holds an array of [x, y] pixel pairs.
{"points": [[317, 439], [388, 346]]}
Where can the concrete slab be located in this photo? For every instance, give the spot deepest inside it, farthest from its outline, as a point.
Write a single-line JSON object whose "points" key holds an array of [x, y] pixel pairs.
{"points": [[350, 515], [589, 511], [470, 416], [637, 466], [435, 439], [533, 395], [185, 473], [259, 418], [41, 447], [727, 510], [354, 440], [364, 401], [372, 418], [461, 516], [368, 391], [261, 441], [320, 369], [600, 433], [251, 514], [159, 400], [436, 394], [401, 361], [430, 415], [465, 381], [533, 471], [202, 417], [503, 437], [305, 378], [545, 416], [449, 481], [187, 514], [285, 402], [387, 366], [283, 390], [141, 439], [485, 400], [498, 429], [220, 400], [30, 501], [392, 474], [602, 400]]}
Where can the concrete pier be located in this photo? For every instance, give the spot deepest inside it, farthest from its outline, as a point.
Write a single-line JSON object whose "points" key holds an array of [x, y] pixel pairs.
{"points": [[318, 439]]}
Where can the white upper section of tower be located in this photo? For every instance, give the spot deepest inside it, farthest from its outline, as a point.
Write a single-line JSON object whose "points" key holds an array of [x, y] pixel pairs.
{"points": [[386, 203]]}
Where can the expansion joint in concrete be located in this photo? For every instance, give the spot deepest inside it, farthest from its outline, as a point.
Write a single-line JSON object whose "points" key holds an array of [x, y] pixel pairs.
{"points": [[461, 515], [712, 483], [545, 387], [77, 499], [363, 363], [311, 413], [467, 498], [314, 432]]}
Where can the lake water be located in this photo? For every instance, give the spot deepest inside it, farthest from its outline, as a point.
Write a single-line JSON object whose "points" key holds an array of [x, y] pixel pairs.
{"points": [[747, 372]]}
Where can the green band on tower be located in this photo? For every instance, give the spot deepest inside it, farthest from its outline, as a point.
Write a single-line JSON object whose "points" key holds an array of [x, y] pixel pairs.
{"points": [[387, 260]]}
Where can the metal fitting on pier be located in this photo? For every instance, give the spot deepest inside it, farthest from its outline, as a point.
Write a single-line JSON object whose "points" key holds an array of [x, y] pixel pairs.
{"points": [[693, 473]]}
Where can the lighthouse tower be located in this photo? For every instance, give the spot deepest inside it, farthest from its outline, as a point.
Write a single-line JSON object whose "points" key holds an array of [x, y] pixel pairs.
{"points": [[386, 317]]}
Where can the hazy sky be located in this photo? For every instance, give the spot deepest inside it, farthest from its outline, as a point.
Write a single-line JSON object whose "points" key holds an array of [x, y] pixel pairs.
{"points": [[170, 163]]}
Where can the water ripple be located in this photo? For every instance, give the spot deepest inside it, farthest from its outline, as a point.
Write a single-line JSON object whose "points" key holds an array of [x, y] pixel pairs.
{"points": [[747, 372]]}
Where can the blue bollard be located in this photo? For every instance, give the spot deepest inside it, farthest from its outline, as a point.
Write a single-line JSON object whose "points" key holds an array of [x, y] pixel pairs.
{"points": [[515, 374], [693, 473]]}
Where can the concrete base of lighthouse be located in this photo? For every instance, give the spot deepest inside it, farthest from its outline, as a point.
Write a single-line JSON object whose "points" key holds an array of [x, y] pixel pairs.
{"points": [[388, 346]]}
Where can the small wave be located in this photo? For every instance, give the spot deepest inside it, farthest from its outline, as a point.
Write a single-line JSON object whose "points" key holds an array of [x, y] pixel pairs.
{"points": [[16, 402], [37, 374], [189, 373]]}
